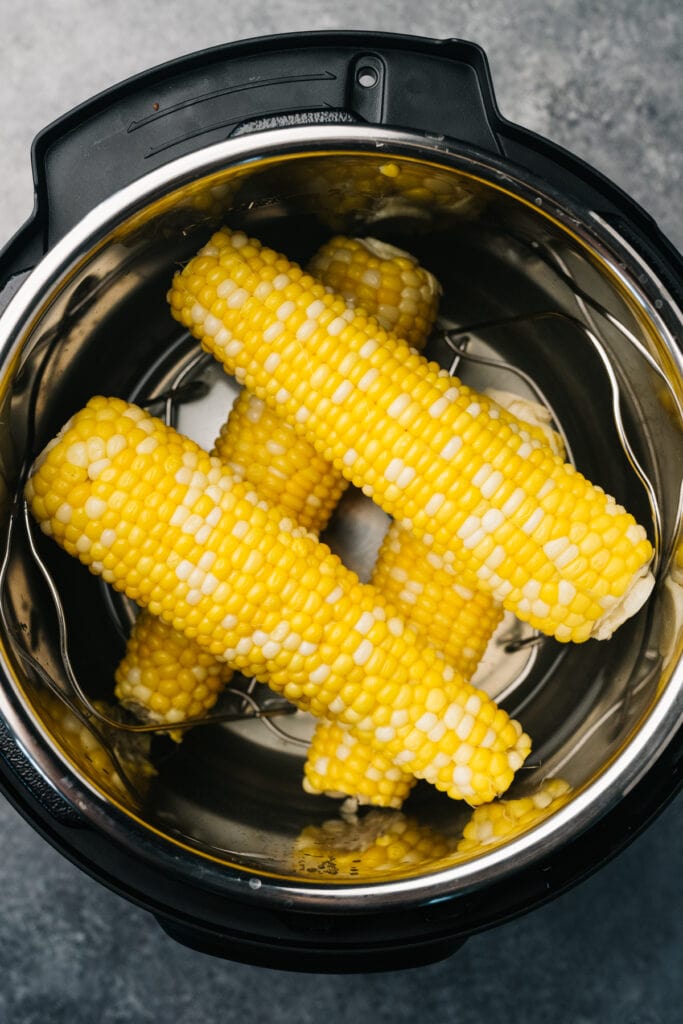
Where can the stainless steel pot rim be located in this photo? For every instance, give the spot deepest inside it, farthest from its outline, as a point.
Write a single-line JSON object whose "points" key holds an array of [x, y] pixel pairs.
{"points": [[665, 718]]}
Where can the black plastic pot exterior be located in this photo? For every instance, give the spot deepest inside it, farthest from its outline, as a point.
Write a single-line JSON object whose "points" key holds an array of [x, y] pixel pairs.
{"points": [[434, 90]]}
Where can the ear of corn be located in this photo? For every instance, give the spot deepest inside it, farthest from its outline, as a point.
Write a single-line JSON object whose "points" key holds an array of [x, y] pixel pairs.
{"points": [[287, 471], [166, 678], [449, 463], [386, 282], [167, 524]]}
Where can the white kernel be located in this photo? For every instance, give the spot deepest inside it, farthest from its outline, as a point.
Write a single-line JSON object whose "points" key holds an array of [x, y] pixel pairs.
{"points": [[335, 595], [209, 585], [223, 337], [362, 653], [399, 718], [365, 623], [540, 609], [95, 468], [272, 362], [462, 775], [184, 568], [533, 521], [481, 476], [399, 405], [306, 648], [566, 592], [64, 513], [405, 477], [438, 408], [315, 309], [395, 467], [337, 326], [437, 733], [197, 313], [196, 578], [367, 348], [342, 392], [207, 560], [473, 704], [147, 446], [453, 715], [238, 239], [531, 590], [183, 476], [306, 330], [285, 310], [192, 523], [282, 396], [368, 379], [271, 649], [492, 484], [83, 544], [280, 282], [193, 597], [567, 557], [214, 517], [320, 674], [492, 519], [108, 537], [395, 626], [451, 448], [273, 331], [385, 733], [336, 706], [95, 507], [229, 622], [212, 325], [496, 558], [426, 721], [464, 727], [238, 298], [524, 450], [469, 527], [372, 773], [489, 739], [513, 502], [405, 757], [77, 454], [263, 290], [350, 457]]}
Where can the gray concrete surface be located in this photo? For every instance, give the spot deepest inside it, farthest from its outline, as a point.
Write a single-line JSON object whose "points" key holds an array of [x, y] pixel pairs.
{"points": [[605, 79]]}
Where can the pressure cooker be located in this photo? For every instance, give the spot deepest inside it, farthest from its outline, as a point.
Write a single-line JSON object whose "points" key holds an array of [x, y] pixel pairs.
{"points": [[556, 286]]}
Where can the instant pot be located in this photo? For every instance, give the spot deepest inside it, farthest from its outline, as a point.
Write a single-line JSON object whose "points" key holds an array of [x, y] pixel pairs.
{"points": [[556, 285]]}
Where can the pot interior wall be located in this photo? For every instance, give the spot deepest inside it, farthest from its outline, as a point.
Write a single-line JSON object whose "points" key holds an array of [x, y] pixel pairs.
{"points": [[518, 289]]}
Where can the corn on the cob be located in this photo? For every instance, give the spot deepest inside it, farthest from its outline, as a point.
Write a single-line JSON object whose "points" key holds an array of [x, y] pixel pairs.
{"points": [[449, 463], [286, 470], [504, 819], [384, 281], [160, 519], [378, 844], [166, 678]]}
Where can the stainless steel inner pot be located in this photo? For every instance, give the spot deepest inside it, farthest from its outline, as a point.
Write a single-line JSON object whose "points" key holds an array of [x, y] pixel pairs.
{"points": [[540, 297]]}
